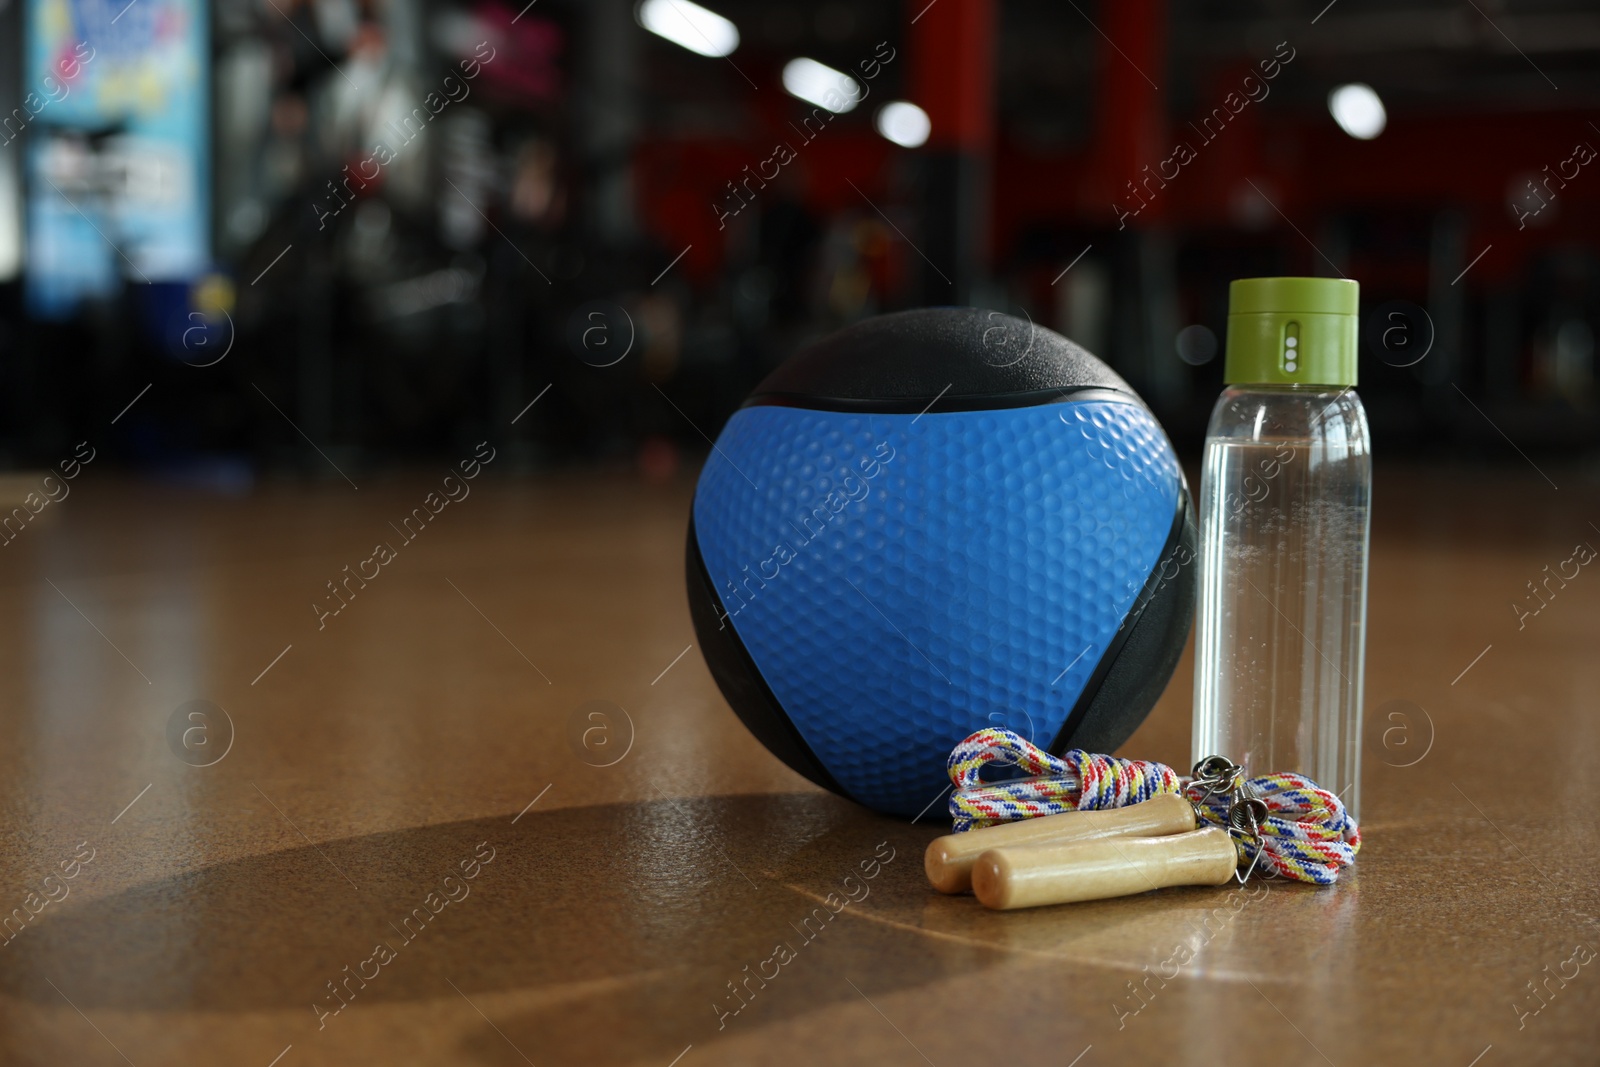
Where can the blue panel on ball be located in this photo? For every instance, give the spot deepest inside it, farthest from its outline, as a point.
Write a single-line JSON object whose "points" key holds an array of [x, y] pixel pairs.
{"points": [[901, 581]]}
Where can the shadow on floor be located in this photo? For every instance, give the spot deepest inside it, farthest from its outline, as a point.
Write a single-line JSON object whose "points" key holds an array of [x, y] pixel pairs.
{"points": [[624, 923]]}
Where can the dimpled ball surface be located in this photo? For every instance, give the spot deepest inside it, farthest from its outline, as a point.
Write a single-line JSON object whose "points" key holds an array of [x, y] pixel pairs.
{"points": [[901, 581]]}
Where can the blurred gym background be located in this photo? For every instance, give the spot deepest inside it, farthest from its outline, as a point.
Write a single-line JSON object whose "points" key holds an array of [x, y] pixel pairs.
{"points": [[388, 227]]}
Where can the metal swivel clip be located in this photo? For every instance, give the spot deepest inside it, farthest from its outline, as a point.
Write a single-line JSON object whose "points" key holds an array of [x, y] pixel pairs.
{"points": [[1220, 776]]}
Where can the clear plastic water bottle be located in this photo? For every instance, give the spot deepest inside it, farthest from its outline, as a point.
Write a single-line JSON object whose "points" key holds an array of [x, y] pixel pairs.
{"points": [[1284, 496]]}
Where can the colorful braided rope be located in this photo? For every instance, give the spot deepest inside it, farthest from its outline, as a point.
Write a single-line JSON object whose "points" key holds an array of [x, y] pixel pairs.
{"points": [[1078, 781], [1307, 834]]}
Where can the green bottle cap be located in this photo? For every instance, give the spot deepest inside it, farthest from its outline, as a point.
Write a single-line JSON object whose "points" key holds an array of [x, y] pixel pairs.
{"points": [[1292, 331]]}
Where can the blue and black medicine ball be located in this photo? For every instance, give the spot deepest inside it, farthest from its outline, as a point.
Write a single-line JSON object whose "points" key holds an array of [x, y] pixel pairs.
{"points": [[931, 522]]}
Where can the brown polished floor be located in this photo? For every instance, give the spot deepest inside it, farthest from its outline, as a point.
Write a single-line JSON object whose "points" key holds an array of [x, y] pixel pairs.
{"points": [[435, 726]]}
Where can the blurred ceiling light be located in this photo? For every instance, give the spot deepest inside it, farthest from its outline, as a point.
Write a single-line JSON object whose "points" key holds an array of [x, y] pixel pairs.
{"points": [[1196, 345], [1358, 111], [817, 83], [904, 123], [688, 24]]}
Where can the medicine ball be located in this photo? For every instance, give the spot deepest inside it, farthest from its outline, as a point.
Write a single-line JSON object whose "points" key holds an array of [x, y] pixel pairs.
{"points": [[931, 522]]}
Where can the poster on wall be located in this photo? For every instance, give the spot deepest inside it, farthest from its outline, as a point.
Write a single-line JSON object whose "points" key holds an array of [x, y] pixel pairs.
{"points": [[117, 166]]}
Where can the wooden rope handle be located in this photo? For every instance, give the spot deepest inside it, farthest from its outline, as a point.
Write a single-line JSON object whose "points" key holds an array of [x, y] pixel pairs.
{"points": [[1027, 876], [948, 861]]}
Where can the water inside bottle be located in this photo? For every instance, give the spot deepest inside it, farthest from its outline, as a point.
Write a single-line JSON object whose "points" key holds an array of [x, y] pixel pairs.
{"points": [[1280, 638]]}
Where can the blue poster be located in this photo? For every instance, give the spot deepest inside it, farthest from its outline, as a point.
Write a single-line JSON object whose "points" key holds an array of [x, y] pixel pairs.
{"points": [[115, 96]]}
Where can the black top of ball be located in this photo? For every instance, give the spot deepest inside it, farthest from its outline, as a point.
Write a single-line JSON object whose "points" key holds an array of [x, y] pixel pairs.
{"points": [[969, 358]]}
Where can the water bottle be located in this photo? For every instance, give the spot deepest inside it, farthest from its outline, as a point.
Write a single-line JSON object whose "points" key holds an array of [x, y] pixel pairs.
{"points": [[1284, 494]]}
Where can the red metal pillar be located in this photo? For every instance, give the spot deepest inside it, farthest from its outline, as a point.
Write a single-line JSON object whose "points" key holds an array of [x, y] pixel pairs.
{"points": [[952, 46], [1130, 135], [1130, 112]]}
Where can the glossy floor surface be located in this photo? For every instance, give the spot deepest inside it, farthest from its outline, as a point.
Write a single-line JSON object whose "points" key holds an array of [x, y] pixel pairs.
{"points": [[502, 761]]}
